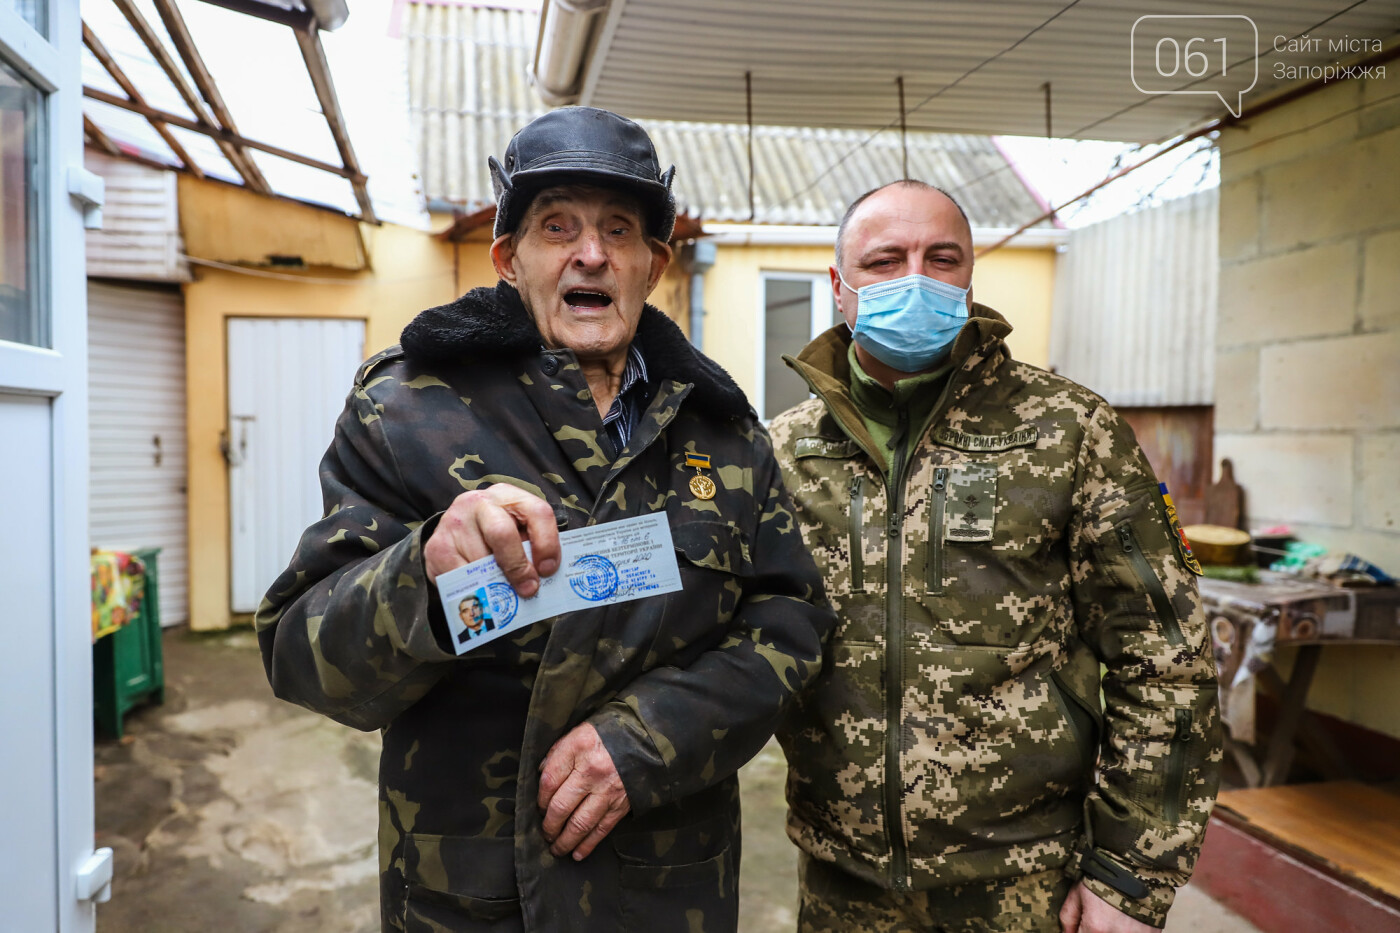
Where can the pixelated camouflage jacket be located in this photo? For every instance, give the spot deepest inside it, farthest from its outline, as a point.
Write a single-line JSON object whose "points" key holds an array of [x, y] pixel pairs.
{"points": [[955, 731], [682, 688]]}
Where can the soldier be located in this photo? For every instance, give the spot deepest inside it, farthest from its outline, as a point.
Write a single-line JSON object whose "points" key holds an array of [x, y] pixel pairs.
{"points": [[989, 535], [578, 775]]}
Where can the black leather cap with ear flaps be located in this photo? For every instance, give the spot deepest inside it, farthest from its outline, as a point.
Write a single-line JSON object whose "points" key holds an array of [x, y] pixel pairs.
{"points": [[584, 145]]}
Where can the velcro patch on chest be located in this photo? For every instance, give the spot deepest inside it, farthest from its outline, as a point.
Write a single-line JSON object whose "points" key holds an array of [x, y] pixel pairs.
{"points": [[972, 503], [832, 448], [986, 443]]}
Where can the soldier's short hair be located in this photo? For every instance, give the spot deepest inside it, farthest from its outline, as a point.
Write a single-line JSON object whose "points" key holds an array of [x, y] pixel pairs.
{"points": [[904, 182]]}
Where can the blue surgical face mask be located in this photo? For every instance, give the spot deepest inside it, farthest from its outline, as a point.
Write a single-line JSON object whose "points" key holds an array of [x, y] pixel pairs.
{"points": [[909, 323]]}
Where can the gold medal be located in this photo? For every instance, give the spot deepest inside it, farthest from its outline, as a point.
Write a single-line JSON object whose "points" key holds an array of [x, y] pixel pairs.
{"points": [[702, 486]]}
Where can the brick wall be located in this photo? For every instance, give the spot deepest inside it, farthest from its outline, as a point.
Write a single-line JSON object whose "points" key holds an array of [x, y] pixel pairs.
{"points": [[1308, 341]]}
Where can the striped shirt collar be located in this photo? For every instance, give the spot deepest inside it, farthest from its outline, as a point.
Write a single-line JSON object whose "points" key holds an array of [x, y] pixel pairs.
{"points": [[631, 397]]}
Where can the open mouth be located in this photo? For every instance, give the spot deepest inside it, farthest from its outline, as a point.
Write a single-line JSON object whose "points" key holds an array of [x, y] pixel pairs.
{"points": [[586, 298]]}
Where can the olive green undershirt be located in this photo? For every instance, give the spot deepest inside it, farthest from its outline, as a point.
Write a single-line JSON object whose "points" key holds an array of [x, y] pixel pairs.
{"points": [[878, 406]]}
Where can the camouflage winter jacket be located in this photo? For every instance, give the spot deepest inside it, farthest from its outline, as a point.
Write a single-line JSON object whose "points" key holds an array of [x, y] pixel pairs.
{"points": [[682, 688], [955, 731]]}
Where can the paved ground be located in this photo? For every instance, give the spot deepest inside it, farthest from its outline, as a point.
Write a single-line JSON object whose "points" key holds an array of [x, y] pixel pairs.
{"points": [[232, 811]]}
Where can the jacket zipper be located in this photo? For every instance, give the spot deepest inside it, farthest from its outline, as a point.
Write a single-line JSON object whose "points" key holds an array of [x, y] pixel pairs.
{"points": [[857, 533], [894, 670], [938, 505], [1163, 607], [1176, 766]]}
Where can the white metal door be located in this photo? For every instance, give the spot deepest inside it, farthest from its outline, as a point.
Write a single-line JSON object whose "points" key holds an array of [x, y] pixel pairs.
{"points": [[136, 414], [287, 383], [47, 864]]}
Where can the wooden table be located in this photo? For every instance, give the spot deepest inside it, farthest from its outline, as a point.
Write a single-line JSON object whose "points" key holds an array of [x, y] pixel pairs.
{"points": [[1248, 621]]}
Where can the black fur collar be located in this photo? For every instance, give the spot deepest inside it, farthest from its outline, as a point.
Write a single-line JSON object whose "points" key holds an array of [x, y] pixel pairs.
{"points": [[493, 322]]}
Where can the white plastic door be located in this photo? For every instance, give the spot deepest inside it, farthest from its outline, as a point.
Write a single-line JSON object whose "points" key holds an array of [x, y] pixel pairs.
{"points": [[47, 867]]}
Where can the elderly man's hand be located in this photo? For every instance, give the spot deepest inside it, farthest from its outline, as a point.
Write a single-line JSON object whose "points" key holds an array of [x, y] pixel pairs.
{"points": [[1086, 912], [496, 521], [580, 793]]}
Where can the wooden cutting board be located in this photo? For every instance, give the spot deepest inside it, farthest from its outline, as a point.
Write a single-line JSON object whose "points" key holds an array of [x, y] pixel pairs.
{"points": [[1225, 499]]}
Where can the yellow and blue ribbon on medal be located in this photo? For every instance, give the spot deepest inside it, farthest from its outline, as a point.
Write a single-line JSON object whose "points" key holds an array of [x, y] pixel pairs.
{"points": [[701, 485]]}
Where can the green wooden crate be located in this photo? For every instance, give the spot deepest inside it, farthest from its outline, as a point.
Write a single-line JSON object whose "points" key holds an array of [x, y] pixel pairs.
{"points": [[127, 665]]}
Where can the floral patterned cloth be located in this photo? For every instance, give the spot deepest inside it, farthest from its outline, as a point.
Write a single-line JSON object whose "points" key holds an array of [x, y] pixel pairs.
{"points": [[118, 587]]}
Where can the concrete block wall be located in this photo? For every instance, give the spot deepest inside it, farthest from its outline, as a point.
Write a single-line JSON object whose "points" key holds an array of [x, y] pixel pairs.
{"points": [[1308, 342]]}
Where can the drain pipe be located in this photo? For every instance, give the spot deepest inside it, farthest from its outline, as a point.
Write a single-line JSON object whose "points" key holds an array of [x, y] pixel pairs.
{"points": [[701, 261], [566, 29]]}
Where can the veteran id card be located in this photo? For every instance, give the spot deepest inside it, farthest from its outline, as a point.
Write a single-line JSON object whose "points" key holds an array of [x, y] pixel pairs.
{"points": [[602, 564]]}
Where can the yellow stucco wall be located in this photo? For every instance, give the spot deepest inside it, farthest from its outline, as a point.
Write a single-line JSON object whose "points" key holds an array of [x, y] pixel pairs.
{"points": [[1017, 282]]}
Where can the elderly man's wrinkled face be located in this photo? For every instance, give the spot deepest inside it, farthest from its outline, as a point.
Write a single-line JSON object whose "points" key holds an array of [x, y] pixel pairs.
{"points": [[898, 231], [584, 266]]}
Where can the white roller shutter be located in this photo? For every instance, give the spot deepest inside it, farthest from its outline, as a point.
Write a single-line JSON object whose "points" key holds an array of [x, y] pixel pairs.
{"points": [[136, 365]]}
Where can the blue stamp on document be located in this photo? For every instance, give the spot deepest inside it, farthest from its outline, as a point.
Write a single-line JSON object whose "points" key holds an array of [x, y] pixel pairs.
{"points": [[504, 603], [593, 577]]}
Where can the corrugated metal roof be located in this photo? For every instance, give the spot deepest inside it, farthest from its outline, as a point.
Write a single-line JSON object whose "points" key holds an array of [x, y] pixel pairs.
{"points": [[469, 92], [968, 65], [1135, 304]]}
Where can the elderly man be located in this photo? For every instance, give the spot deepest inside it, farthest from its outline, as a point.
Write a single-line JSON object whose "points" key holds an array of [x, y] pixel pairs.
{"points": [[989, 534], [578, 775]]}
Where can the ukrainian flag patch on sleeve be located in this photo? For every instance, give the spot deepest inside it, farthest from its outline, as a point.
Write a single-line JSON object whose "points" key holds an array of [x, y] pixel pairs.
{"points": [[1182, 545]]}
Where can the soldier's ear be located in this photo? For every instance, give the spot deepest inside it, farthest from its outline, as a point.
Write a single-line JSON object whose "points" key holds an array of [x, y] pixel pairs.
{"points": [[503, 257]]}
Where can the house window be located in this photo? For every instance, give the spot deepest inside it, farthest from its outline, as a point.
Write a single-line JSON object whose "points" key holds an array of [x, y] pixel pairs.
{"points": [[796, 308], [31, 11], [22, 317]]}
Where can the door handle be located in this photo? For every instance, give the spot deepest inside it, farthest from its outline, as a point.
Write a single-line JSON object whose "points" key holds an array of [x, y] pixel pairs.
{"points": [[94, 879], [236, 455]]}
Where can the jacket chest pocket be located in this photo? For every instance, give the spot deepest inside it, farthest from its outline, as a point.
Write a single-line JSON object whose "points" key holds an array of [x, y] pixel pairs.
{"points": [[962, 509], [713, 546], [989, 510], [835, 499], [714, 562], [970, 503]]}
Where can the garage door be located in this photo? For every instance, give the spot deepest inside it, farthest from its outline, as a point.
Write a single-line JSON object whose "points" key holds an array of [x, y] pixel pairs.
{"points": [[136, 366]]}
